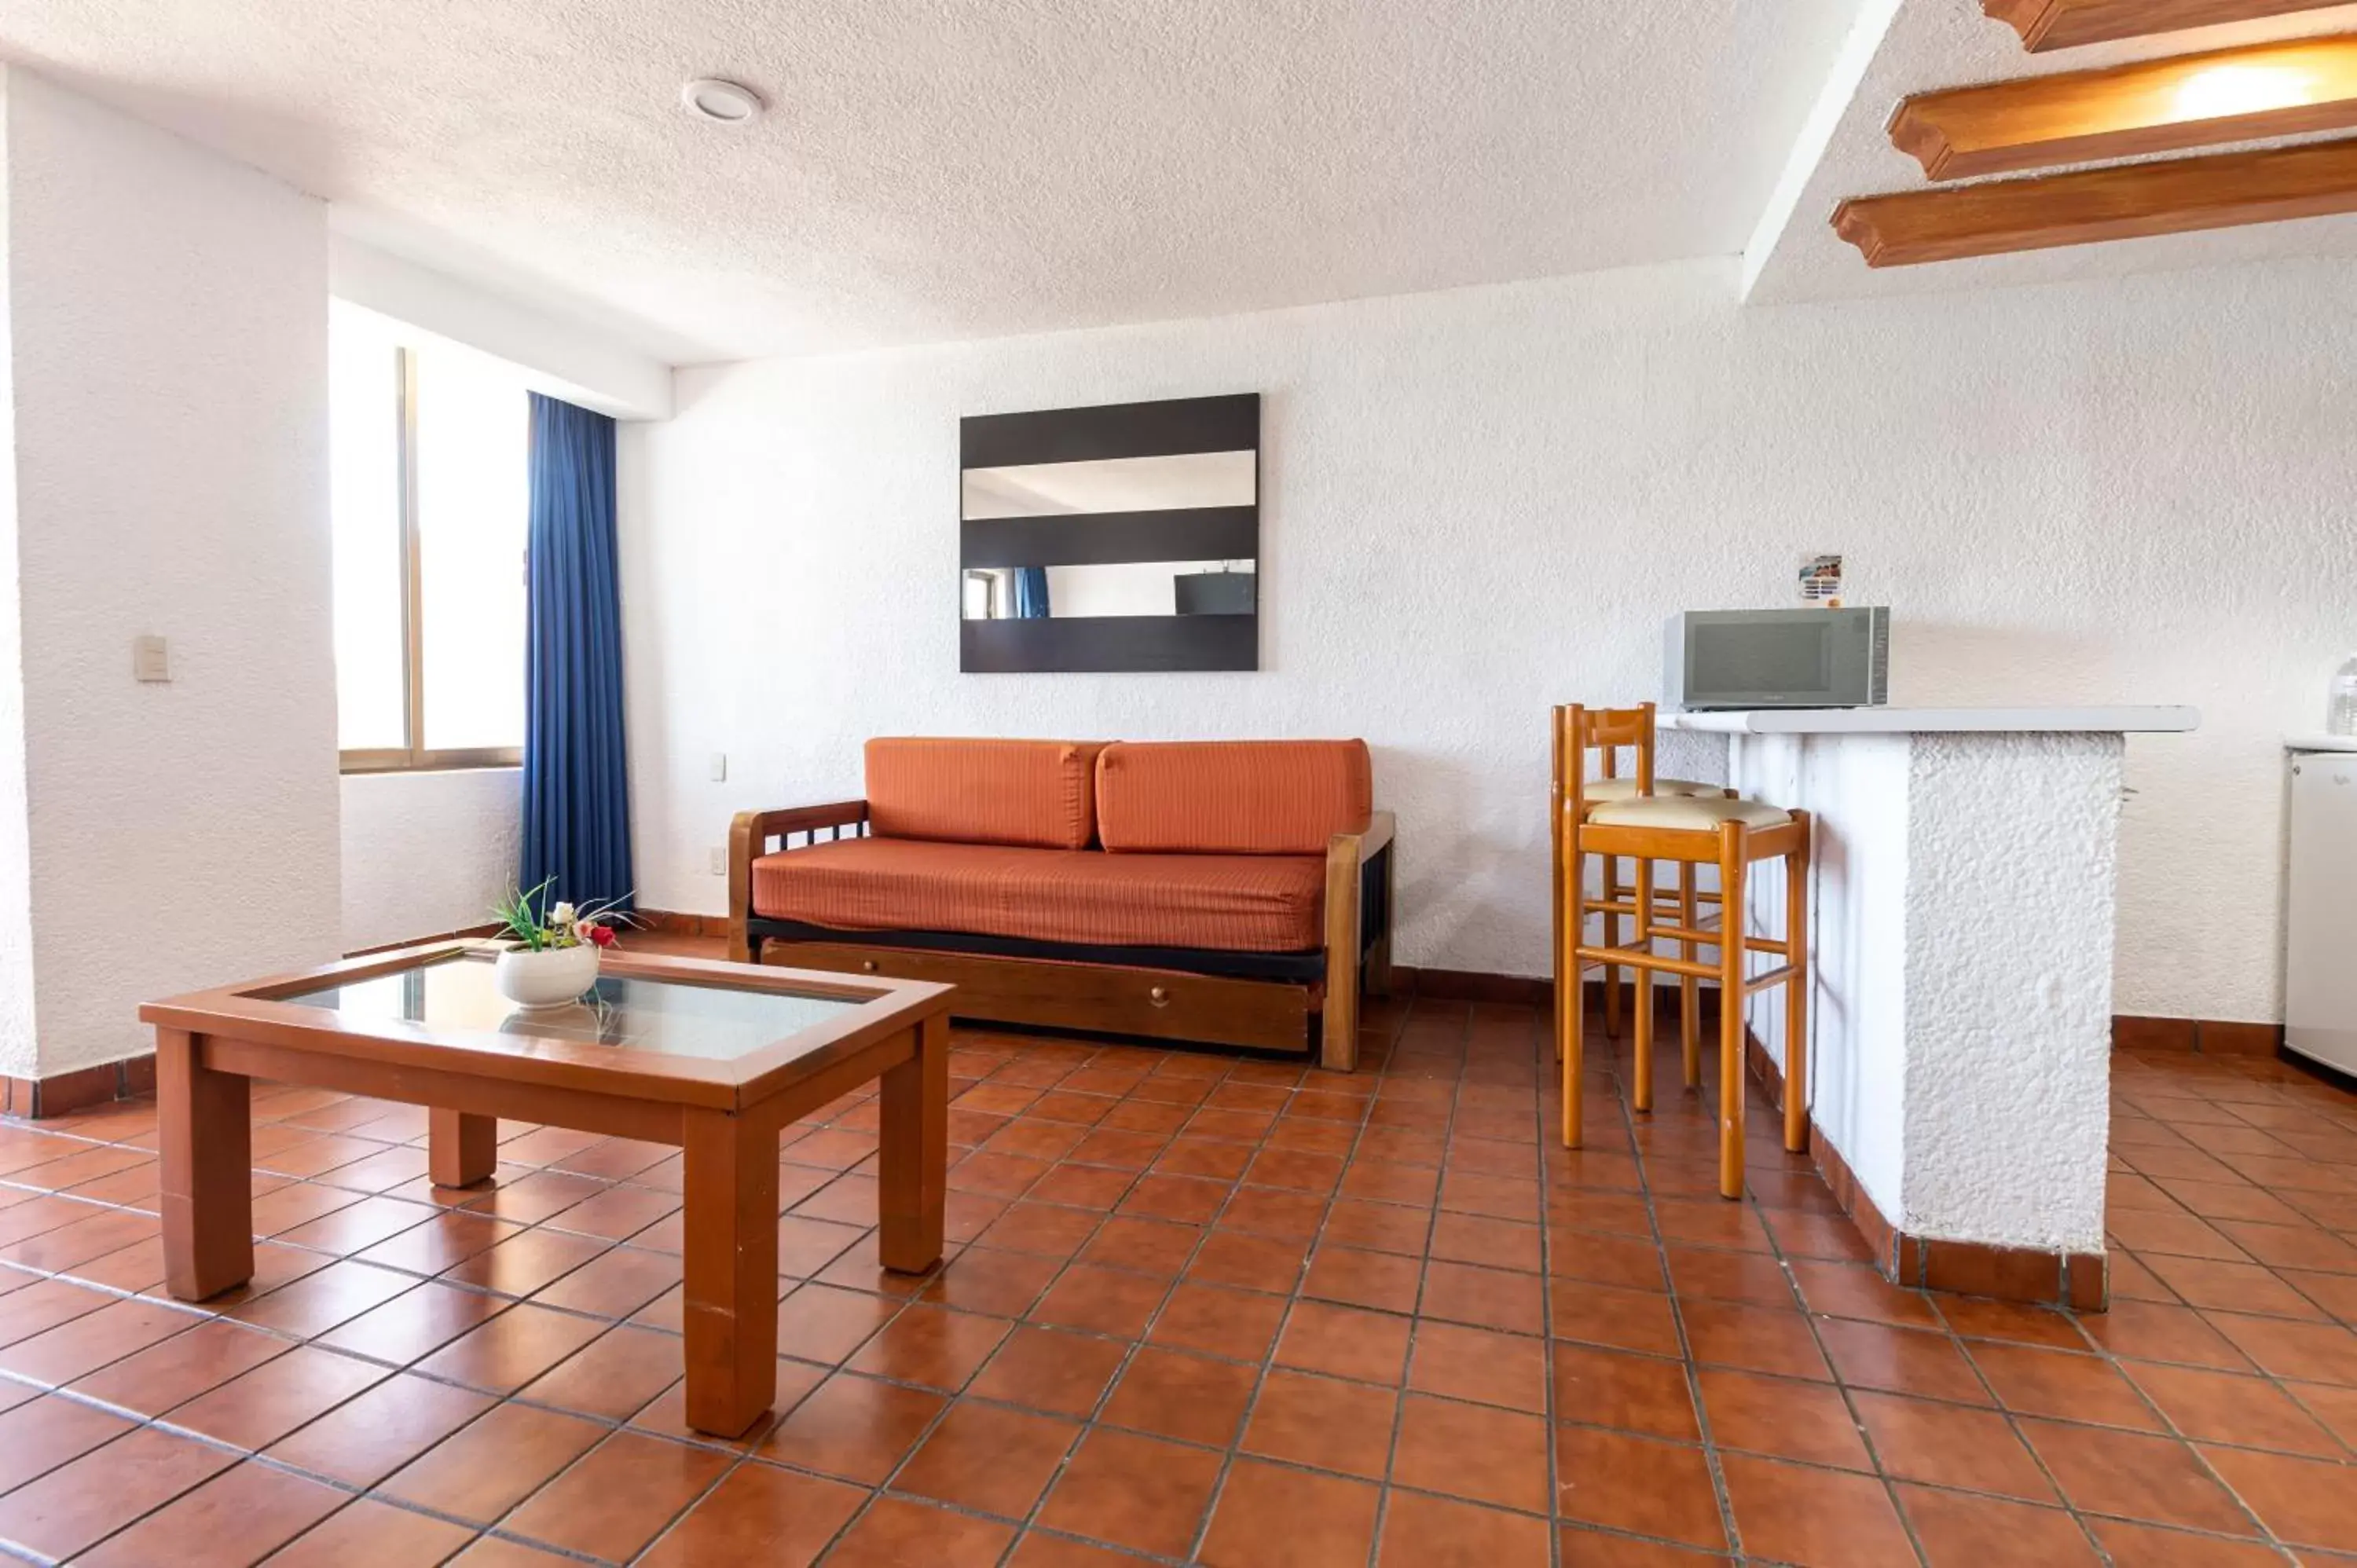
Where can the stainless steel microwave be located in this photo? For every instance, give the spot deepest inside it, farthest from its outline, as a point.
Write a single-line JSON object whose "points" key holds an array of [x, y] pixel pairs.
{"points": [[1776, 659]]}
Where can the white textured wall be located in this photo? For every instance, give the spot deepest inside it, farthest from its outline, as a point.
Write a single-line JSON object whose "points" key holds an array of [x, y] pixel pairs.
{"points": [[18, 1049], [2008, 1027], [168, 343], [1480, 502], [1962, 914], [426, 853]]}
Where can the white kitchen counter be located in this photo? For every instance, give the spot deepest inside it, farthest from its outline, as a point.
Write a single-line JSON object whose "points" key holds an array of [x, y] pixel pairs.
{"points": [[2139, 719], [2319, 741], [1962, 910]]}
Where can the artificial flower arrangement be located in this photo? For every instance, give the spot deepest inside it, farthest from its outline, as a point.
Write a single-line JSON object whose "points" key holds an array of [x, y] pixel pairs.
{"points": [[551, 960], [541, 925]]}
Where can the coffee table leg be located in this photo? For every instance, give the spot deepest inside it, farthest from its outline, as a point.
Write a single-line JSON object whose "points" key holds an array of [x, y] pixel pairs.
{"points": [[462, 1150], [731, 1270], [916, 1115], [205, 1135]]}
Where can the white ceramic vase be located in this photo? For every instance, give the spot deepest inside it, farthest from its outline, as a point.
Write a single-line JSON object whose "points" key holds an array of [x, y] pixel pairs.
{"points": [[553, 977]]}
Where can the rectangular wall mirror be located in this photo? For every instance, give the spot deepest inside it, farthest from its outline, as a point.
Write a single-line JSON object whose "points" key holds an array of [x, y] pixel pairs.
{"points": [[1123, 537]]}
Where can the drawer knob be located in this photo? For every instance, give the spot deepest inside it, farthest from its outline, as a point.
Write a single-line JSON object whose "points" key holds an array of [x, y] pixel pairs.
{"points": [[868, 964], [1159, 995]]}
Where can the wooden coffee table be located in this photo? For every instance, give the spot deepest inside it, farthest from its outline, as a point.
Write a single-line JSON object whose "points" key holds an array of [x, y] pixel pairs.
{"points": [[714, 1057]]}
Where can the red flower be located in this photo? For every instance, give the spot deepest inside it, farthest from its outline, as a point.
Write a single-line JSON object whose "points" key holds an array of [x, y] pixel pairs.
{"points": [[602, 936]]}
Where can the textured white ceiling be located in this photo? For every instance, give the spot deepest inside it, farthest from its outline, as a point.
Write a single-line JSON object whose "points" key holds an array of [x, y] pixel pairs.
{"points": [[1949, 43], [937, 169]]}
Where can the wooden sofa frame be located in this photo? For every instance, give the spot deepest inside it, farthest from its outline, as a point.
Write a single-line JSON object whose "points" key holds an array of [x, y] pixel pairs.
{"points": [[1299, 1003]]}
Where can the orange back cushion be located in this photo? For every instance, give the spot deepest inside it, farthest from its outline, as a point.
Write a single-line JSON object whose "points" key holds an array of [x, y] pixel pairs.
{"points": [[1232, 797], [1039, 793]]}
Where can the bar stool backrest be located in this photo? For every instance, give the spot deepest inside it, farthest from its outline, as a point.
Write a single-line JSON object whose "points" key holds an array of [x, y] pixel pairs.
{"points": [[1608, 731]]}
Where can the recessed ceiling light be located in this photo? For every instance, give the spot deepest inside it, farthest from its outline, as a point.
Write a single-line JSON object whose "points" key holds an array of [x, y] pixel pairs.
{"points": [[2223, 91], [723, 102]]}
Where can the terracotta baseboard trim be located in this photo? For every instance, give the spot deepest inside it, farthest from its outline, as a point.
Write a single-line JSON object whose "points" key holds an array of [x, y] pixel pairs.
{"points": [[488, 929], [36, 1098], [1471, 985], [677, 925], [1525, 991], [2079, 1281], [2217, 1038], [2205, 1037], [2213, 1037], [32, 1099], [2210, 1037]]}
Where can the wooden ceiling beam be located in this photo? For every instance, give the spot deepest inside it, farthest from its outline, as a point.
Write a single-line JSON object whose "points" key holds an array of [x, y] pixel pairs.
{"points": [[2154, 106], [2221, 190], [2066, 24]]}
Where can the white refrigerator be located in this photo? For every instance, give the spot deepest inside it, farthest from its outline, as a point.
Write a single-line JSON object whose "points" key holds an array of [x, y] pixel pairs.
{"points": [[2320, 906]]}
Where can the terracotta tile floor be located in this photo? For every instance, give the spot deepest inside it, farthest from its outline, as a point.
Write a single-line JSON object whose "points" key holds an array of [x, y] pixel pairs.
{"points": [[1199, 1309]]}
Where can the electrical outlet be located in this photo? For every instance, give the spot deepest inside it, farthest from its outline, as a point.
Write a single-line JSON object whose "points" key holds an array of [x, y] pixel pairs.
{"points": [[151, 659], [719, 861]]}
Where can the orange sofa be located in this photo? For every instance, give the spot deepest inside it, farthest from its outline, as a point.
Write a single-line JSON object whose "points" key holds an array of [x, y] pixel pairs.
{"points": [[1232, 892]]}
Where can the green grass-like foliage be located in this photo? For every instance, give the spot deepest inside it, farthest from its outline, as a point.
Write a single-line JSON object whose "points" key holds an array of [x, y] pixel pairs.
{"points": [[530, 916]]}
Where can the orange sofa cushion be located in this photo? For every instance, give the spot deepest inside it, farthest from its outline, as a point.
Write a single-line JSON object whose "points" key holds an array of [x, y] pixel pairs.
{"points": [[1232, 797], [1227, 903], [1035, 792]]}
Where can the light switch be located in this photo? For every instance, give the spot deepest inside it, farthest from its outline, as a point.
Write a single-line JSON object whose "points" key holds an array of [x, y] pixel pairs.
{"points": [[719, 768], [151, 659]]}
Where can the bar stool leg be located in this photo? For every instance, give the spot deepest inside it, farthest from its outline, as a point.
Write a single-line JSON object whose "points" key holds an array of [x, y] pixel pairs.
{"points": [[1571, 1002], [1732, 850], [1643, 979], [1561, 912], [1611, 940], [1796, 991], [1689, 988]]}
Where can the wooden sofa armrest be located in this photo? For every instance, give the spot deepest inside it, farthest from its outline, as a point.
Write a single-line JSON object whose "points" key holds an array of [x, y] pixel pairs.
{"points": [[748, 839], [1347, 855]]}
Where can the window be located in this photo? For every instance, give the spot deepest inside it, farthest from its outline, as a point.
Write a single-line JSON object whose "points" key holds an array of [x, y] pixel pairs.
{"points": [[986, 592], [429, 503]]}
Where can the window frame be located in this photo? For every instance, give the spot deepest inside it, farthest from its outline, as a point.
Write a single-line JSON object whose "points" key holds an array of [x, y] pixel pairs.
{"points": [[992, 581], [416, 756]]}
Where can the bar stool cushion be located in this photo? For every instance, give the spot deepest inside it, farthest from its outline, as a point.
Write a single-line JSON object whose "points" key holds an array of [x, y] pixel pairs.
{"points": [[1688, 813], [1595, 789]]}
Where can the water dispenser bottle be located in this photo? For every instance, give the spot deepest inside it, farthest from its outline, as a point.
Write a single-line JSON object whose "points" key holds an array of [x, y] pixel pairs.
{"points": [[2341, 713]]}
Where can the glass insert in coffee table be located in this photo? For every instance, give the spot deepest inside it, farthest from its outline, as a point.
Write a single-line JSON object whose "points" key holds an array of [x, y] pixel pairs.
{"points": [[664, 1017]]}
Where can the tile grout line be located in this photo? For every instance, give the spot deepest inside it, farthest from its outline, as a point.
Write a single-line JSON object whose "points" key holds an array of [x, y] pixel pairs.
{"points": [[1549, 1147], [610, 1323], [1643, 1157], [1300, 1282], [2286, 1389], [738, 1455], [2168, 1424], [1086, 1426], [244, 1456], [1849, 1396], [617, 1424], [1089, 1424], [839, 1367], [2103, 1356], [1104, 1217], [1386, 1487], [623, 1420]]}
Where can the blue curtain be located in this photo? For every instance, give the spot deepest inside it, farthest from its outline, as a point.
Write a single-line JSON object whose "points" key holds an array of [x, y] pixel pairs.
{"points": [[1031, 593], [577, 795]]}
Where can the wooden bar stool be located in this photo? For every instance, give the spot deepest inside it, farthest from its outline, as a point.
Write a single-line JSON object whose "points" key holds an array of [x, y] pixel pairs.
{"points": [[1633, 733], [1689, 831]]}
